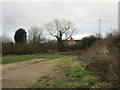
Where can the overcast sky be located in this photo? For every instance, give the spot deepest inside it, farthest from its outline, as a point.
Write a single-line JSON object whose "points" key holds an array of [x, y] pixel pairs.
{"points": [[84, 15]]}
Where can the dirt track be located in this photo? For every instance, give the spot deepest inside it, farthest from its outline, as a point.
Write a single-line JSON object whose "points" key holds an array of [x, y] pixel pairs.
{"points": [[25, 74]]}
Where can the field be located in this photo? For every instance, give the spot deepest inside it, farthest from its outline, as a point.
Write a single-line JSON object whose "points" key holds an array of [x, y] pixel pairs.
{"points": [[47, 71], [20, 58]]}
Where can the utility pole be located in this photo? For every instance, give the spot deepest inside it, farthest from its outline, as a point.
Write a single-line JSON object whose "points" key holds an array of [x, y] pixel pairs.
{"points": [[111, 27], [99, 27]]}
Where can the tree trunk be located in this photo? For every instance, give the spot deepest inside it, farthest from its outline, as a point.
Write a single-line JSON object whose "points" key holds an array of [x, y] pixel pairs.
{"points": [[60, 45]]}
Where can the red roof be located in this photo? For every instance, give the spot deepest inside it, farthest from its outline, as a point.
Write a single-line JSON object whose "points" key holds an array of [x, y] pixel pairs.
{"points": [[71, 41]]}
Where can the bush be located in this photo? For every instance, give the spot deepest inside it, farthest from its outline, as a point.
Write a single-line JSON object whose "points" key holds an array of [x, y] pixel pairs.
{"points": [[88, 41], [85, 42], [10, 48], [102, 59]]}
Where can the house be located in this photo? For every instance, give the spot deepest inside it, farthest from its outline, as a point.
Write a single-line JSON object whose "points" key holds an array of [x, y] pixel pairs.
{"points": [[67, 42], [71, 41]]}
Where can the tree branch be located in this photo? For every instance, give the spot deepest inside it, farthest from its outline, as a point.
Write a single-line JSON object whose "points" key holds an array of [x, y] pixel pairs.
{"points": [[51, 33], [67, 37]]}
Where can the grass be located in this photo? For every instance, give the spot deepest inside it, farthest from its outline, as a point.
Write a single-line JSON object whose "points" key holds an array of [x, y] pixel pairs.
{"points": [[20, 58], [75, 76], [61, 84], [73, 73]]}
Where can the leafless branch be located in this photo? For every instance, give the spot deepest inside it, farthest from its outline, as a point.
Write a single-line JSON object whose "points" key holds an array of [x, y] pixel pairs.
{"points": [[60, 28]]}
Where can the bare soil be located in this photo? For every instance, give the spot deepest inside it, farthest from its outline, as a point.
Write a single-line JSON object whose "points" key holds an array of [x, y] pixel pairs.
{"points": [[27, 73]]}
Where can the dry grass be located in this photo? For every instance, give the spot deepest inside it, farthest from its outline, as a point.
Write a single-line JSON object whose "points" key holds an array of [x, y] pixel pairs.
{"points": [[102, 59]]}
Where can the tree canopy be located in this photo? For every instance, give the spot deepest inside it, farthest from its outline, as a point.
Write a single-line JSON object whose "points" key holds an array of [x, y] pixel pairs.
{"points": [[20, 36], [61, 29]]}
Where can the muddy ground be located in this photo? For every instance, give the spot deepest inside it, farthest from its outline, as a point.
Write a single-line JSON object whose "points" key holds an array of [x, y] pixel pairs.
{"points": [[27, 73]]}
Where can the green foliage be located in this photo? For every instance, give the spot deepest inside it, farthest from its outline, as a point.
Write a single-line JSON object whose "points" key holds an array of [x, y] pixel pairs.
{"points": [[20, 36], [79, 73]]}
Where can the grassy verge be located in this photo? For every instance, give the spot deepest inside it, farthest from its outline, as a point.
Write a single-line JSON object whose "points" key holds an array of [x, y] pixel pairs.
{"points": [[72, 74], [20, 58]]}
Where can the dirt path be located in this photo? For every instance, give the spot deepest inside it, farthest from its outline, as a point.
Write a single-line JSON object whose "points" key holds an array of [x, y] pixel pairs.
{"points": [[25, 74]]}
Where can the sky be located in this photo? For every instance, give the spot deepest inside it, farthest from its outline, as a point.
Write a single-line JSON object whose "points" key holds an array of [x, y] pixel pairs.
{"points": [[84, 15]]}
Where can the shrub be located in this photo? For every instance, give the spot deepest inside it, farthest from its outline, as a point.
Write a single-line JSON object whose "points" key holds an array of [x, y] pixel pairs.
{"points": [[10, 48], [102, 59], [88, 41]]}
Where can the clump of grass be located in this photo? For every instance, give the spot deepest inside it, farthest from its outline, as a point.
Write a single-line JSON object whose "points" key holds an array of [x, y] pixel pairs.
{"points": [[76, 72], [61, 84], [99, 85], [69, 85], [91, 80]]}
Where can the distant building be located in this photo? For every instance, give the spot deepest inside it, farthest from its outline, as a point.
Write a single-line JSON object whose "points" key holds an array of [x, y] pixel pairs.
{"points": [[67, 42], [71, 41]]}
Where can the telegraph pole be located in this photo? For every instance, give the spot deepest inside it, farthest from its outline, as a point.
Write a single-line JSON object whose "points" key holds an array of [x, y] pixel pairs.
{"points": [[111, 27], [99, 27]]}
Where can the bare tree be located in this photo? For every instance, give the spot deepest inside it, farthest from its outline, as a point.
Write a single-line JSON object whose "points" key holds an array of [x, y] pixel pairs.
{"points": [[5, 37], [61, 29], [35, 34]]}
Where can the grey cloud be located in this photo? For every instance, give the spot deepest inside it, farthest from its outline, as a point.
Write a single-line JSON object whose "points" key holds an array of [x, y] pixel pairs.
{"points": [[84, 15]]}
